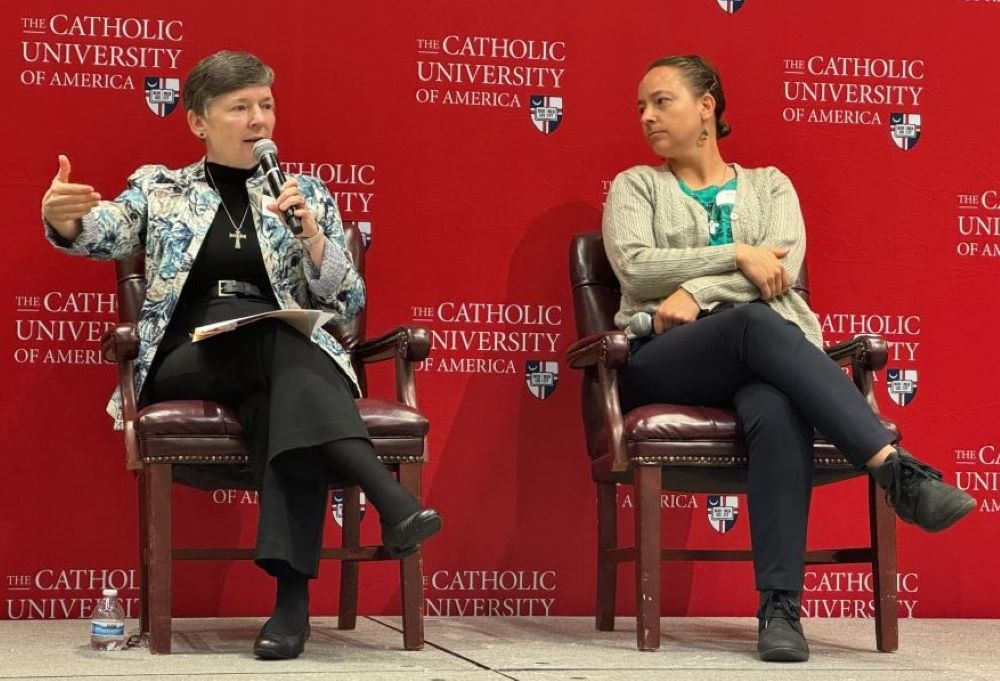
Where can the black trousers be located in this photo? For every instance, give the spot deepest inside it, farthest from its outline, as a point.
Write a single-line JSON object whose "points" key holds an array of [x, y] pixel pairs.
{"points": [[292, 400], [782, 386]]}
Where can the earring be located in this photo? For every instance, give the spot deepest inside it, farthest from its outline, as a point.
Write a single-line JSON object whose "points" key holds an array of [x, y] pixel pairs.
{"points": [[703, 136], [201, 135]]}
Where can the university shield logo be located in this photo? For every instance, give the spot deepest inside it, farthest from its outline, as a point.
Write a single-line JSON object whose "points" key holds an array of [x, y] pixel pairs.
{"points": [[905, 130], [546, 112], [731, 6], [902, 385], [338, 506], [723, 512], [366, 233], [162, 94], [541, 378]]}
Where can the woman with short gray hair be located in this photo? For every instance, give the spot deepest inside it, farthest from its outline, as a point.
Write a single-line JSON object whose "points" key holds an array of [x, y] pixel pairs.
{"points": [[216, 249]]}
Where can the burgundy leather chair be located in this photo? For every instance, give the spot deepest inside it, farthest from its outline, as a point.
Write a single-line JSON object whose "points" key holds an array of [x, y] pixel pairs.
{"points": [[200, 443], [691, 449]]}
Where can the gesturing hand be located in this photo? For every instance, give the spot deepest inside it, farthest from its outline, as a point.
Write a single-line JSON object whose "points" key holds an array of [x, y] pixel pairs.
{"points": [[676, 309], [64, 203], [762, 266]]}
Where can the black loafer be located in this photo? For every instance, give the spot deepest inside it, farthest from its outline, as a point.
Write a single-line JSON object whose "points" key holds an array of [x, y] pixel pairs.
{"points": [[403, 538], [270, 646]]}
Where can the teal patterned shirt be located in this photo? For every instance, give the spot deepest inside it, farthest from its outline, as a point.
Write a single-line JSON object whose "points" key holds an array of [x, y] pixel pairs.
{"points": [[718, 203]]}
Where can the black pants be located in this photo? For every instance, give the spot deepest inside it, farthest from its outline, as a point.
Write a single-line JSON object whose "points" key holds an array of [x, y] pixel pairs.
{"points": [[782, 386], [292, 401]]}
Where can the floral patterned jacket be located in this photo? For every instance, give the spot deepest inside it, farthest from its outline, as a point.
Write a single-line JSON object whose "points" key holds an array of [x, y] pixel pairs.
{"points": [[168, 212]]}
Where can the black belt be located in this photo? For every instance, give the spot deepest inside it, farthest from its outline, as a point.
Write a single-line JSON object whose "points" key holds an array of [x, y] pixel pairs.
{"points": [[227, 288]]}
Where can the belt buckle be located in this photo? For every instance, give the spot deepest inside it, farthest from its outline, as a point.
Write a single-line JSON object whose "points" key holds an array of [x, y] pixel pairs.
{"points": [[220, 292]]}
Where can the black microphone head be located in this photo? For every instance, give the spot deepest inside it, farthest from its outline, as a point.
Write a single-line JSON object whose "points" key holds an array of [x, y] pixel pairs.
{"points": [[264, 147]]}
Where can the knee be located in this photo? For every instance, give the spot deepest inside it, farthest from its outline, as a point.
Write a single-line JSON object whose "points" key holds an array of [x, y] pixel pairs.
{"points": [[759, 324], [757, 314]]}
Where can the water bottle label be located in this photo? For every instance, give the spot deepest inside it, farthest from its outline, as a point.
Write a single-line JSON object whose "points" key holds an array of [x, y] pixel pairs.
{"points": [[107, 629]]}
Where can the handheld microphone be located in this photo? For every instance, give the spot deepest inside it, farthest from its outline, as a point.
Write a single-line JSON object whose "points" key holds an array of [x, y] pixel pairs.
{"points": [[640, 325], [266, 153]]}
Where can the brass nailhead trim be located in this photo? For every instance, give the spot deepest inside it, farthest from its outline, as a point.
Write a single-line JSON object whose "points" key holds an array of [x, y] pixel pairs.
{"points": [[715, 460], [242, 458], [187, 458]]}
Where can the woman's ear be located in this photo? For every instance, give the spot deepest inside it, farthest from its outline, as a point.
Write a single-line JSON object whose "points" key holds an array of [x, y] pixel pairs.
{"points": [[707, 107], [197, 124]]}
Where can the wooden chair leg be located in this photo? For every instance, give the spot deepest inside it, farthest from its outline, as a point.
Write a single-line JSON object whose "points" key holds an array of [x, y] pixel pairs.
{"points": [[883, 536], [411, 572], [607, 569], [647, 564], [157, 478], [143, 553], [347, 614]]}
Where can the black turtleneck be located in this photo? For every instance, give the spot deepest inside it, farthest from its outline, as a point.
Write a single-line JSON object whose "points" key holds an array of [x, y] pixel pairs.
{"points": [[218, 259]]}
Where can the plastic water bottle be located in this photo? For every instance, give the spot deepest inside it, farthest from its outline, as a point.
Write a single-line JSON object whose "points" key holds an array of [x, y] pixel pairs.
{"points": [[107, 622]]}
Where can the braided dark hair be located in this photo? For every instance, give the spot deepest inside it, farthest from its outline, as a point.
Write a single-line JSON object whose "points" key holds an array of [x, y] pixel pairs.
{"points": [[702, 78]]}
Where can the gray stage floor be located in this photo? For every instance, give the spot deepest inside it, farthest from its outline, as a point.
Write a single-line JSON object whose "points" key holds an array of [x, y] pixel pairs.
{"points": [[532, 649]]}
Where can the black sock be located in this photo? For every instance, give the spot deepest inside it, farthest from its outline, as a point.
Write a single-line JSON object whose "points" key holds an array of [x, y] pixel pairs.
{"points": [[291, 605], [354, 460], [884, 474]]}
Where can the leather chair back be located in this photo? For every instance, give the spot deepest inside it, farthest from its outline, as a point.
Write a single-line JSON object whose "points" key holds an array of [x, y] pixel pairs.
{"points": [[596, 298]]}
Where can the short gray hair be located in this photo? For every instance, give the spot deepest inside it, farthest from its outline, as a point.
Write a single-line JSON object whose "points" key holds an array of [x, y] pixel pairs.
{"points": [[220, 73]]}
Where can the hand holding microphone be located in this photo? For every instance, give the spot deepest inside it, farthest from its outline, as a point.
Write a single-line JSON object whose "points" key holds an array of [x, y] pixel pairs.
{"points": [[289, 203], [639, 326], [678, 308]]}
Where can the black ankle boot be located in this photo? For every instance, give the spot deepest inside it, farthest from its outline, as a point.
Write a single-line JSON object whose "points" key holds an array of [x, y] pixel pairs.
{"points": [[402, 538], [917, 494], [779, 629]]}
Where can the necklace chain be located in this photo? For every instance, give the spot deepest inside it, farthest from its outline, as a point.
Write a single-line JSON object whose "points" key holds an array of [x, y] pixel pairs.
{"points": [[238, 234], [725, 171], [712, 207]]}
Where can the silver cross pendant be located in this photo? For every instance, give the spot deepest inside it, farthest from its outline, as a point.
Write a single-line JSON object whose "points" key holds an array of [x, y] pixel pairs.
{"points": [[237, 236]]}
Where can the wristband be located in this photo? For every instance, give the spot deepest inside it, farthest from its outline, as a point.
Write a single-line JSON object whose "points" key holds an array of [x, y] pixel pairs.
{"points": [[309, 241]]}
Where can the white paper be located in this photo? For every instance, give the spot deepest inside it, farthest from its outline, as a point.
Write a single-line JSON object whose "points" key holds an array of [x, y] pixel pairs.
{"points": [[305, 321]]}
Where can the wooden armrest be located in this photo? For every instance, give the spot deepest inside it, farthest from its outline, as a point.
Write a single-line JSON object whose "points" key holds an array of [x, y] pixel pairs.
{"points": [[405, 344], [865, 355], [120, 344], [609, 348], [863, 352], [411, 343]]}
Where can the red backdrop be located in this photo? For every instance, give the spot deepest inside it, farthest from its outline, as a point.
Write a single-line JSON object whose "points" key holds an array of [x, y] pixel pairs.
{"points": [[419, 118]]}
